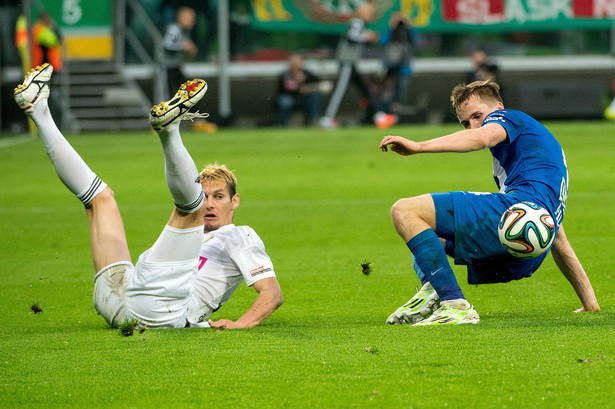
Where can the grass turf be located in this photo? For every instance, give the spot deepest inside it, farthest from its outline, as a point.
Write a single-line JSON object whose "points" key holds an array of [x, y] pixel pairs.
{"points": [[320, 201]]}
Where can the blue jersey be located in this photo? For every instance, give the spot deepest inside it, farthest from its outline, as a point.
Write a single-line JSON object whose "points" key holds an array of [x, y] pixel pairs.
{"points": [[530, 163]]}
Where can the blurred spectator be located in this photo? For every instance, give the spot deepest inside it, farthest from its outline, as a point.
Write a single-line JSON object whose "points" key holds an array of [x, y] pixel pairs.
{"points": [[46, 42], [47, 48], [298, 89], [483, 70], [399, 41], [609, 113], [349, 51], [177, 44], [382, 90], [9, 10], [241, 36], [205, 31]]}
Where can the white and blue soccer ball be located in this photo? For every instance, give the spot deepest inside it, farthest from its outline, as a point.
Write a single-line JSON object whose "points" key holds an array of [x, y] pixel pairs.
{"points": [[526, 230]]}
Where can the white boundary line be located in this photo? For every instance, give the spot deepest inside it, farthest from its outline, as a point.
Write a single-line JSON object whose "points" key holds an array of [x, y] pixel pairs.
{"points": [[15, 140]]}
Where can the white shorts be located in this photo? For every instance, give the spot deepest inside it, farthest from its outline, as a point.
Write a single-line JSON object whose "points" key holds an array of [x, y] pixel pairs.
{"points": [[154, 293]]}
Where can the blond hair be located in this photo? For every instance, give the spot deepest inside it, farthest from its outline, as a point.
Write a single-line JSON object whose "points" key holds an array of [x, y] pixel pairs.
{"points": [[488, 91], [220, 173]]}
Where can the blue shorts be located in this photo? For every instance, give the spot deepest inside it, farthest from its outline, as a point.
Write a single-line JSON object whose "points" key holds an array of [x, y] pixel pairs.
{"points": [[469, 221]]}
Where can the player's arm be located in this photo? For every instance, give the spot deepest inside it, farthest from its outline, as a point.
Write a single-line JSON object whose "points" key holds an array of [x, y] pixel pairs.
{"points": [[571, 267], [467, 140], [268, 300]]}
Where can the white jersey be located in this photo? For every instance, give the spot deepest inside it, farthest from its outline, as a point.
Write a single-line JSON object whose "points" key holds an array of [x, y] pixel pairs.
{"points": [[229, 256]]}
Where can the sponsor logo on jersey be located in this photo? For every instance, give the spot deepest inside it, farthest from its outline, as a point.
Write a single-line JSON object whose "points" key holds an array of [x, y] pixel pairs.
{"points": [[259, 270], [495, 118]]}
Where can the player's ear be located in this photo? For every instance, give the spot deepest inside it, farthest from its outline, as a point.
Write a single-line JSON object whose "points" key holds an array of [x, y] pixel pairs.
{"points": [[235, 201]]}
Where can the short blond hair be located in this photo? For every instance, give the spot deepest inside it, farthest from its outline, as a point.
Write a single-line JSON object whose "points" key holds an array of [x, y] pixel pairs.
{"points": [[488, 91], [220, 173]]}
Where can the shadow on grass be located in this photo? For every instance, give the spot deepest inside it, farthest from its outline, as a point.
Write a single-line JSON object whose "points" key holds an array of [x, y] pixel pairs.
{"points": [[605, 319]]}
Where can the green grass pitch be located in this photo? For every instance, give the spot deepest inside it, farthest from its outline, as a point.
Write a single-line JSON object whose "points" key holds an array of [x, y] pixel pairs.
{"points": [[320, 201]]}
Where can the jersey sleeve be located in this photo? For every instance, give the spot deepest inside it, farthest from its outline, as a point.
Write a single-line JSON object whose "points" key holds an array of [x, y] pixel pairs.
{"points": [[356, 31], [173, 39], [508, 120], [247, 250]]}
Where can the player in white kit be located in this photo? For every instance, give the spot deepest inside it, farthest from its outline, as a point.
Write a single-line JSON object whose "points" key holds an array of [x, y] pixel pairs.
{"points": [[185, 275]]}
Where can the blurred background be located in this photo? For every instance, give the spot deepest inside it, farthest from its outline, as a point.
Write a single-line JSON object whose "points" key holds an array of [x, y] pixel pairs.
{"points": [[554, 59]]}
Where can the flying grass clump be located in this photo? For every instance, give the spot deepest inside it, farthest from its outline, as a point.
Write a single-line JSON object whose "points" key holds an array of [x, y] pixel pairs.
{"points": [[36, 308], [366, 268], [128, 326]]}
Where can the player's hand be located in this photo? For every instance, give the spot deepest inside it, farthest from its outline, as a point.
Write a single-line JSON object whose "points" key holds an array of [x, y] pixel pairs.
{"points": [[372, 36], [190, 47], [399, 145], [224, 324]]}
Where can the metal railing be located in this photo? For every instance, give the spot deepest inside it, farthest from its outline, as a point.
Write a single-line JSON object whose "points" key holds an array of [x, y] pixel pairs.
{"points": [[125, 36]]}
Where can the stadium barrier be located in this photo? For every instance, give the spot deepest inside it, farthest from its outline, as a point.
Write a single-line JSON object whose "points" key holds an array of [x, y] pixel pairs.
{"points": [[553, 87]]}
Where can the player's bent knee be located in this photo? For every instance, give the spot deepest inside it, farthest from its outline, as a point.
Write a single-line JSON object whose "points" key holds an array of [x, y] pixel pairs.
{"points": [[182, 220], [412, 208], [104, 198], [403, 208]]}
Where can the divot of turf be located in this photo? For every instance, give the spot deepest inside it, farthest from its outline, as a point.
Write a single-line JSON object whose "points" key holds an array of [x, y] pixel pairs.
{"points": [[36, 308]]}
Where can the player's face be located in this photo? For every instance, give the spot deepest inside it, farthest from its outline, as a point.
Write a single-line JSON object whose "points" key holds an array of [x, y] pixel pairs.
{"points": [[473, 112], [219, 205]]}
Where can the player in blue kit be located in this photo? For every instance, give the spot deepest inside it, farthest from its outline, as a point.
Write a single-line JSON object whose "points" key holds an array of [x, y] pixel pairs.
{"points": [[528, 165]]}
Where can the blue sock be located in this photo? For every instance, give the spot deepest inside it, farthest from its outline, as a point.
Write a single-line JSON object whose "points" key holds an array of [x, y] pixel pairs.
{"points": [[419, 272], [431, 258]]}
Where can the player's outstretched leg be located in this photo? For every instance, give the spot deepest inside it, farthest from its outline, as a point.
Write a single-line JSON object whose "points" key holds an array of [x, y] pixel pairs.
{"points": [[450, 313], [108, 240], [181, 173], [31, 96], [164, 275], [419, 307]]}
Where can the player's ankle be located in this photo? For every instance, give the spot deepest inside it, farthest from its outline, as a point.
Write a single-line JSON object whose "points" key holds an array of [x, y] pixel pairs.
{"points": [[427, 287], [40, 108], [459, 303]]}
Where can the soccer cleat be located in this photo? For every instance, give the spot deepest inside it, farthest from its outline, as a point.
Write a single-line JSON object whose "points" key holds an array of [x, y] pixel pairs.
{"points": [[419, 307], [327, 123], [449, 315], [34, 87], [383, 120], [176, 109]]}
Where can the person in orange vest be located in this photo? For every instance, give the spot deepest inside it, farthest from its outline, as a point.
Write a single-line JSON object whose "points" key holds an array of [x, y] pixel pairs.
{"points": [[46, 44]]}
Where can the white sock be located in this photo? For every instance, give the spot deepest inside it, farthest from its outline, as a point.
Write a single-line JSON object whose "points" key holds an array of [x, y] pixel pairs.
{"points": [[69, 166], [459, 303], [181, 173], [427, 286], [174, 245]]}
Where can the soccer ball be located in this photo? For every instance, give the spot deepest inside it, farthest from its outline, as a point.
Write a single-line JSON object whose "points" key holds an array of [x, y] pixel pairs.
{"points": [[526, 230]]}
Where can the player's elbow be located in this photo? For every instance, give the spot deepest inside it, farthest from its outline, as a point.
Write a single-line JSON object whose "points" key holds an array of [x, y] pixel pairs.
{"points": [[483, 141], [278, 299], [274, 297], [489, 136]]}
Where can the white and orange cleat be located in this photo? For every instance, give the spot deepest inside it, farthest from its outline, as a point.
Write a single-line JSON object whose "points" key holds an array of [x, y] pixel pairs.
{"points": [[34, 88], [177, 108]]}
